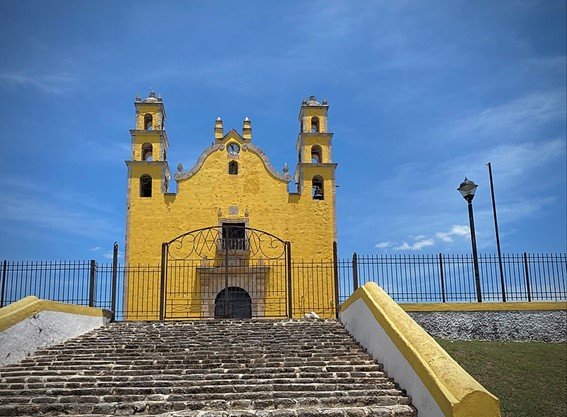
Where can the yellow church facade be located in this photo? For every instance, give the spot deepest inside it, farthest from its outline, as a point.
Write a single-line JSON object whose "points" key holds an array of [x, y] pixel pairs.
{"points": [[234, 238]]}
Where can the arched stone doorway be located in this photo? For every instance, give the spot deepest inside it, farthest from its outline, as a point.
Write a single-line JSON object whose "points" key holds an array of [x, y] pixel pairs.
{"points": [[233, 303]]}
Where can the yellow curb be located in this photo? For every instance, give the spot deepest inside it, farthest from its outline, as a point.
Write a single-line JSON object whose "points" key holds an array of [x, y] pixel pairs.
{"points": [[29, 306], [456, 392]]}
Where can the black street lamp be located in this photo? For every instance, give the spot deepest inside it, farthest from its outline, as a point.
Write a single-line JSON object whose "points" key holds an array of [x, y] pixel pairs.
{"points": [[467, 190]]}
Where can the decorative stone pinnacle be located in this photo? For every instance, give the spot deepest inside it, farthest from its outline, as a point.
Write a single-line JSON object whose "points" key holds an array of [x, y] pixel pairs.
{"points": [[180, 167]]}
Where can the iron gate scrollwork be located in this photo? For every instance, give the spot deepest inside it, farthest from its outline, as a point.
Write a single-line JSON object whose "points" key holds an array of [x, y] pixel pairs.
{"points": [[227, 271]]}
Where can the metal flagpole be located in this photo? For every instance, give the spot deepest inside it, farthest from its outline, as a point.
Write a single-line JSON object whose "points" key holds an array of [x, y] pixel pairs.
{"points": [[497, 233]]}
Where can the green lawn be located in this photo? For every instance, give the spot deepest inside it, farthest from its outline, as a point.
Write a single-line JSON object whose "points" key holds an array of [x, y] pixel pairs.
{"points": [[529, 378]]}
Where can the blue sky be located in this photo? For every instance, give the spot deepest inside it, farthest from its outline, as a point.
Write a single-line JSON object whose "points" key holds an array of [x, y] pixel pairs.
{"points": [[422, 94]]}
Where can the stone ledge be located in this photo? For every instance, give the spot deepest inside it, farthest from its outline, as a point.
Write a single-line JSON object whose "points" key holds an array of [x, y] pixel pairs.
{"points": [[509, 306]]}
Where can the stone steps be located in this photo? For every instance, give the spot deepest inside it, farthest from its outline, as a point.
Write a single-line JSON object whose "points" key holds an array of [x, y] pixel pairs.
{"points": [[164, 409], [205, 369]]}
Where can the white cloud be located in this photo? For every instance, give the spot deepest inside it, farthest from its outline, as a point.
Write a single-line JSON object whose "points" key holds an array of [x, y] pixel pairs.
{"points": [[96, 249], [52, 215], [383, 245], [417, 245], [513, 118], [459, 230], [63, 211], [456, 230], [57, 84]]}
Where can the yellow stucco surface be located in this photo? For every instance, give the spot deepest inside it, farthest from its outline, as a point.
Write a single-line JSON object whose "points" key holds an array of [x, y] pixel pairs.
{"points": [[207, 195]]}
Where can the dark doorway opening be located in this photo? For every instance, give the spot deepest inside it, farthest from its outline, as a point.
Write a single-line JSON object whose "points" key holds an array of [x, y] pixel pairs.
{"points": [[233, 303]]}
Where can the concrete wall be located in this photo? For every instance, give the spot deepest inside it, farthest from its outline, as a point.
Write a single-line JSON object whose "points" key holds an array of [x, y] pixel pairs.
{"points": [[541, 326], [30, 324]]}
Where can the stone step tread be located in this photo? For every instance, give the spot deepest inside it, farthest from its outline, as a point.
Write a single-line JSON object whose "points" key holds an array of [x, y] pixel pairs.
{"points": [[315, 389], [83, 377], [200, 368], [193, 342], [214, 408], [159, 369], [196, 360], [182, 353], [398, 410], [385, 397], [372, 411], [179, 381]]}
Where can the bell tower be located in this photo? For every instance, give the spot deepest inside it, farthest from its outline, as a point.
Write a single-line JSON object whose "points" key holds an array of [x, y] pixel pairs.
{"points": [[148, 169], [315, 173]]}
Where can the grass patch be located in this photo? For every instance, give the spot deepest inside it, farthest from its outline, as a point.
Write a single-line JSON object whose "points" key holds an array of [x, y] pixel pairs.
{"points": [[529, 378]]}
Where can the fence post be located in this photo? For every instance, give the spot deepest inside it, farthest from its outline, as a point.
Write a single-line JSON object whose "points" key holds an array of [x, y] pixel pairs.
{"points": [[114, 279], [4, 277], [289, 282], [92, 282], [336, 273], [527, 273], [442, 276], [162, 282], [354, 272]]}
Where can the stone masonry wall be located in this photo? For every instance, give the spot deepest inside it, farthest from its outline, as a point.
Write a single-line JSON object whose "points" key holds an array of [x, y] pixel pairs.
{"points": [[543, 326]]}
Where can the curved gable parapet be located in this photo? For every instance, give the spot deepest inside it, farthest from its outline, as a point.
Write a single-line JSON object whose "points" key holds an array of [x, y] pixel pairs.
{"points": [[183, 175]]}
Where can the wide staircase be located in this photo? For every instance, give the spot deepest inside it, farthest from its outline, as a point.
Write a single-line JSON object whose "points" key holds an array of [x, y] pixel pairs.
{"points": [[299, 368]]}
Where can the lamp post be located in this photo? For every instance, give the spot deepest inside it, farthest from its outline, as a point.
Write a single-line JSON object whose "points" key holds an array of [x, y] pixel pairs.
{"points": [[467, 190]]}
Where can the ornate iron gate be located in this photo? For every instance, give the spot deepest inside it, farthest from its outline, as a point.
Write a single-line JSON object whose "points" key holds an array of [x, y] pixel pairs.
{"points": [[228, 271]]}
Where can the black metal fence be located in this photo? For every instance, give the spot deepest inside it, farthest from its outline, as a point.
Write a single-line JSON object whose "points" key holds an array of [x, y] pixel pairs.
{"points": [[450, 278], [406, 278]]}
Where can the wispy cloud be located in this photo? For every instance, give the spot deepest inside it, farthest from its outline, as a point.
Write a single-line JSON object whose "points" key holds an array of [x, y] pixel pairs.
{"points": [[417, 245], [456, 230], [34, 211], [511, 119], [56, 84], [383, 245], [62, 212]]}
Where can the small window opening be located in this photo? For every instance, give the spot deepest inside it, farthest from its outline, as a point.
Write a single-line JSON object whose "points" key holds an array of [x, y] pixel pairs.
{"points": [[316, 154], [234, 236], [147, 152], [164, 155], [315, 125], [145, 186], [233, 168], [317, 188], [148, 122]]}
